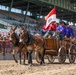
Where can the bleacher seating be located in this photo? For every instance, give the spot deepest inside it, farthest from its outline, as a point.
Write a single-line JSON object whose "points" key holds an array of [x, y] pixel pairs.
{"points": [[15, 17], [11, 18]]}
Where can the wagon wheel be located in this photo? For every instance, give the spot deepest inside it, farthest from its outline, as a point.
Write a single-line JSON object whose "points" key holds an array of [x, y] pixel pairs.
{"points": [[72, 53], [50, 58], [61, 55], [38, 58]]}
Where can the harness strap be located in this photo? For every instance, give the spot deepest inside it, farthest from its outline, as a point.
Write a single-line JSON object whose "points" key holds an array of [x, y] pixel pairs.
{"points": [[30, 38]]}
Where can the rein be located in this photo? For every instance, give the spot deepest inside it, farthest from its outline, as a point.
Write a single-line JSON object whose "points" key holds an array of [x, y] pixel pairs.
{"points": [[29, 38]]}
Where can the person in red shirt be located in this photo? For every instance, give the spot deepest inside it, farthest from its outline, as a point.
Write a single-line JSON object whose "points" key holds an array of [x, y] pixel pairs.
{"points": [[51, 29], [43, 30]]}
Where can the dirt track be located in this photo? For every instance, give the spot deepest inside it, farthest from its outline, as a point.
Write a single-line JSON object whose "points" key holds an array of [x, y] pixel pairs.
{"points": [[9, 67]]}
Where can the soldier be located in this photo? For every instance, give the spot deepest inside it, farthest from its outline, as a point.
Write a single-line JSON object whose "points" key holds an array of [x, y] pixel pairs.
{"points": [[51, 29], [61, 30], [67, 31], [71, 31]]}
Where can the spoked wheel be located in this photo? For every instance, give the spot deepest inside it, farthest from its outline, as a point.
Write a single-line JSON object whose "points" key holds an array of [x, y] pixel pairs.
{"points": [[38, 58], [72, 53], [50, 58], [61, 55]]}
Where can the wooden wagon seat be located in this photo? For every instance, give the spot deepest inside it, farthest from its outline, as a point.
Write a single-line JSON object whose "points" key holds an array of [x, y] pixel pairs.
{"points": [[50, 43], [68, 39]]}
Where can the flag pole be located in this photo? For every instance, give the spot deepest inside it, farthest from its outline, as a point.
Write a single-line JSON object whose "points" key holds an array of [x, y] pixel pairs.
{"points": [[56, 32]]}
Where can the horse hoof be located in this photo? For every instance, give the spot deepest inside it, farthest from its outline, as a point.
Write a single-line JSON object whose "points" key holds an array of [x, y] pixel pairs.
{"points": [[16, 61], [30, 65], [20, 63], [43, 64], [40, 63], [23, 63]]}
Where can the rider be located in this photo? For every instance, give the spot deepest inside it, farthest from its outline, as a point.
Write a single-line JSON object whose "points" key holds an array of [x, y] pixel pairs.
{"points": [[71, 31], [51, 29], [61, 30], [67, 31], [43, 31]]}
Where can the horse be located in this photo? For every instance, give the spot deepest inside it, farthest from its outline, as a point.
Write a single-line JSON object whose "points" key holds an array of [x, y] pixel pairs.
{"points": [[34, 44], [18, 47]]}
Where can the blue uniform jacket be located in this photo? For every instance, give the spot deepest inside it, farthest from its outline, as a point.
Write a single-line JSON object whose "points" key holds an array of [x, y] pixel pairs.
{"points": [[68, 32], [61, 29], [71, 32]]}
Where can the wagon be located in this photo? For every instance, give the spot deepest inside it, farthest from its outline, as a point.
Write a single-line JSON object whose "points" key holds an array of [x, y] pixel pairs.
{"points": [[53, 49], [70, 49]]}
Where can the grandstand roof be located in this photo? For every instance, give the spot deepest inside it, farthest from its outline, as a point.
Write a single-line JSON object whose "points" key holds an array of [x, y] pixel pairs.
{"points": [[35, 6]]}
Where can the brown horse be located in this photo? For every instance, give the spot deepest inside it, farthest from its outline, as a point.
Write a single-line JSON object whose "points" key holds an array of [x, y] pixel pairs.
{"points": [[34, 44], [18, 47]]}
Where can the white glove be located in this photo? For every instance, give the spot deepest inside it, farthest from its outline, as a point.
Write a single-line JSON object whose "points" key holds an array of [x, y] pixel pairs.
{"points": [[74, 38], [65, 36], [70, 37]]}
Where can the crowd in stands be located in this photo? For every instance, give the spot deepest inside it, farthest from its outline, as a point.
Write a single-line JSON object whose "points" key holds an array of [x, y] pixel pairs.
{"points": [[16, 19], [5, 44]]}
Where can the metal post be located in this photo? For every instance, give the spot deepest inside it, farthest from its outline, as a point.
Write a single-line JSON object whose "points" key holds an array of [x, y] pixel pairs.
{"points": [[62, 17], [10, 8], [71, 18], [22, 11], [40, 12], [26, 12], [11, 5]]}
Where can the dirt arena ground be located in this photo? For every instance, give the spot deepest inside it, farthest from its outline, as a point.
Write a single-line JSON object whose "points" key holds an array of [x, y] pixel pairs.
{"points": [[9, 67]]}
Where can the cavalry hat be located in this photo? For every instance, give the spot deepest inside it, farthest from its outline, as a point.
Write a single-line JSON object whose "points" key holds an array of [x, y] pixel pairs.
{"points": [[71, 24]]}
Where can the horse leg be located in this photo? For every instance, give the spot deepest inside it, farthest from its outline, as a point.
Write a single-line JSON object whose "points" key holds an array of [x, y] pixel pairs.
{"points": [[13, 53], [24, 59], [42, 57], [20, 56], [27, 55], [30, 57], [42, 60]]}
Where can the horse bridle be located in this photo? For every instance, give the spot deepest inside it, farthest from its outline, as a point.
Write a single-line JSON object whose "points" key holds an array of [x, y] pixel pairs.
{"points": [[25, 34], [14, 38]]}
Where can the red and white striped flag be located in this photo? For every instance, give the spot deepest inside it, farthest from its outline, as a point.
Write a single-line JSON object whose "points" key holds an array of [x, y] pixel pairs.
{"points": [[50, 17]]}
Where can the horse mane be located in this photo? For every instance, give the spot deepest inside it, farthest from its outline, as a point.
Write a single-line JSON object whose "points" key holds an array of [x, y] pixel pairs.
{"points": [[15, 35], [32, 39], [17, 40]]}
